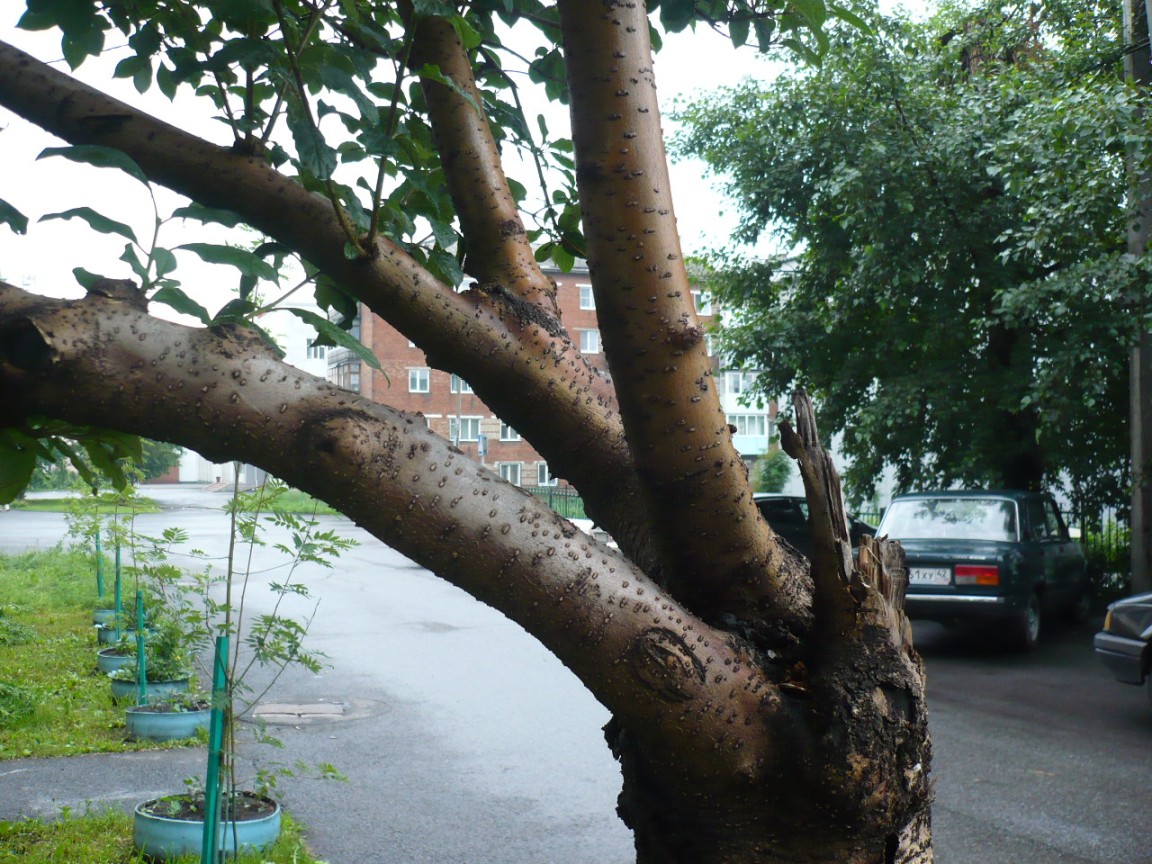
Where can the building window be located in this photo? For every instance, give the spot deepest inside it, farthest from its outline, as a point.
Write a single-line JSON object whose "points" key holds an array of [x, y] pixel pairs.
{"points": [[507, 433], [418, 380], [464, 429], [589, 341], [736, 383], [544, 476], [510, 471], [315, 352], [587, 298], [346, 375], [755, 425], [702, 300], [459, 385]]}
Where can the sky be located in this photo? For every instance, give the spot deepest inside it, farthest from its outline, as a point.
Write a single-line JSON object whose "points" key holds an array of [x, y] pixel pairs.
{"points": [[43, 259]]}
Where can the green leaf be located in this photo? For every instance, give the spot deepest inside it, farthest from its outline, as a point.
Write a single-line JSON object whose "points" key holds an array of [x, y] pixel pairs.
{"points": [[813, 10], [341, 338], [13, 218], [316, 157], [86, 278], [849, 18], [765, 28], [433, 73], [208, 215], [675, 15], [246, 262], [164, 261], [17, 463], [236, 310], [101, 157], [79, 45], [130, 257], [96, 221], [738, 31], [175, 298]]}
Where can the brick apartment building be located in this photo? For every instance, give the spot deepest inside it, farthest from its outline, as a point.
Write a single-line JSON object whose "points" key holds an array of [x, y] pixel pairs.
{"points": [[452, 410]]}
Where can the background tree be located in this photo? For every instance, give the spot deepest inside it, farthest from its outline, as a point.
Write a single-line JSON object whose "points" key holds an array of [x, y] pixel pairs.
{"points": [[763, 710], [958, 295], [772, 472], [159, 459]]}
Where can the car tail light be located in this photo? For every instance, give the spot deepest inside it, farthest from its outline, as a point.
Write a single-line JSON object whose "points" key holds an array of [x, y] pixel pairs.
{"points": [[977, 574]]}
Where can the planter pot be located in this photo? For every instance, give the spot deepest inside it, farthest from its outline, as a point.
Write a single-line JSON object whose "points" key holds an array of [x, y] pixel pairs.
{"points": [[161, 830], [167, 722], [154, 691], [109, 661], [106, 634], [103, 616]]}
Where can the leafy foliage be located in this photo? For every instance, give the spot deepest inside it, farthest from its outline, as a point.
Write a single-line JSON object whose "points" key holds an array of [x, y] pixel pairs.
{"points": [[959, 300], [771, 473]]}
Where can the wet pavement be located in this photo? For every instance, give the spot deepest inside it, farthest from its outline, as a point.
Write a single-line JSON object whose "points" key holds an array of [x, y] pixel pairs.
{"points": [[463, 740], [466, 742]]}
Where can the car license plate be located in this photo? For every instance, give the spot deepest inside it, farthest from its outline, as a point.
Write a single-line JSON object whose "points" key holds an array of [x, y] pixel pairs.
{"points": [[930, 576]]}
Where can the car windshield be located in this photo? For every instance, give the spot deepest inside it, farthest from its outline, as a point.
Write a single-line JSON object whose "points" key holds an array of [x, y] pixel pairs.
{"points": [[951, 518]]}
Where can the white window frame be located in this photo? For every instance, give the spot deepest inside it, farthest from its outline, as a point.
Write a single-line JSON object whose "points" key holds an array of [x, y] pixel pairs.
{"points": [[511, 472], [589, 341], [737, 382], [469, 424], [316, 352], [587, 298], [702, 302], [458, 385], [544, 476], [417, 376], [744, 420], [507, 433]]}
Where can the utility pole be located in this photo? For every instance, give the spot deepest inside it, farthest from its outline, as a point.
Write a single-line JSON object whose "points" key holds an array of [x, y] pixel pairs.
{"points": [[1137, 69]]}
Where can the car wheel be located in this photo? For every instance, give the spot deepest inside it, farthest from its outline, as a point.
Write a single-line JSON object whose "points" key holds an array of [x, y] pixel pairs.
{"points": [[1025, 632]]}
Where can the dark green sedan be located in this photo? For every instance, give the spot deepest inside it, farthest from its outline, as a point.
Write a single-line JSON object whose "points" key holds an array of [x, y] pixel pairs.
{"points": [[1003, 558]]}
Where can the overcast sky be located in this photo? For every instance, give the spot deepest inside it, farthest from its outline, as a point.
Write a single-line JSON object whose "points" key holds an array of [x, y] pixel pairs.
{"points": [[44, 258]]}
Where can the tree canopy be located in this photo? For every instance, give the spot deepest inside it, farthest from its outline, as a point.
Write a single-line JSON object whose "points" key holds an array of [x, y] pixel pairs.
{"points": [[955, 289], [765, 708]]}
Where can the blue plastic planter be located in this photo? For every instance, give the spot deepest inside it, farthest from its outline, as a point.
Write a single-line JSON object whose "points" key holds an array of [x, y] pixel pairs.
{"points": [[145, 722], [160, 837]]}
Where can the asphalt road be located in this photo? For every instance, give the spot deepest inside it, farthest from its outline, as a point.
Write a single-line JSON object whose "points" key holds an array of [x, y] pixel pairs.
{"points": [[465, 741]]}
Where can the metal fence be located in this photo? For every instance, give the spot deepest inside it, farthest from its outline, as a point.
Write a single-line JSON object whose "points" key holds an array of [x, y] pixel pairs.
{"points": [[563, 499]]}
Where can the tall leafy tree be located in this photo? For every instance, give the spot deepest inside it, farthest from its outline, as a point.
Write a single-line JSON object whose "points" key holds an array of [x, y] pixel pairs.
{"points": [[764, 710], [957, 293]]}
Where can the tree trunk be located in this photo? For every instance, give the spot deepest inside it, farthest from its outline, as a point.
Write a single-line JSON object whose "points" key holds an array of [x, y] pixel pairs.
{"points": [[764, 710]]}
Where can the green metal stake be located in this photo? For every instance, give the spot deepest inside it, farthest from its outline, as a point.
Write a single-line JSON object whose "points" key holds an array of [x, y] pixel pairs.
{"points": [[99, 567], [210, 845], [141, 661], [119, 602]]}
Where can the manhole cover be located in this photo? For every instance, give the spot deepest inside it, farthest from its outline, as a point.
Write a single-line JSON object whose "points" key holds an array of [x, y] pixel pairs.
{"points": [[294, 714]]}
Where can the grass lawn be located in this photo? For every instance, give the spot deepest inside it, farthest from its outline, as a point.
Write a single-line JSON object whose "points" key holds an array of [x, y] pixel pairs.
{"points": [[301, 503], [55, 702], [60, 505], [53, 699], [105, 837]]}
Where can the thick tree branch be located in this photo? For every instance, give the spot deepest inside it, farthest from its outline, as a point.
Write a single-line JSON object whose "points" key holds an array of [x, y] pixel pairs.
{"points": [[497, 244], [561, 404], [654, 343], [104, 362]]}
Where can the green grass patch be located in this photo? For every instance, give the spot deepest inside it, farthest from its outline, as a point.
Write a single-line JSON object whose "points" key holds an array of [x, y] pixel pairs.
{"points": [[301, 503], [105, 837], [47, 596], [60, 505]]}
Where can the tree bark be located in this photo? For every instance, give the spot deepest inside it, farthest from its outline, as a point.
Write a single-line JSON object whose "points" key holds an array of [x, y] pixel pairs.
{"points": [[762, 713]]}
